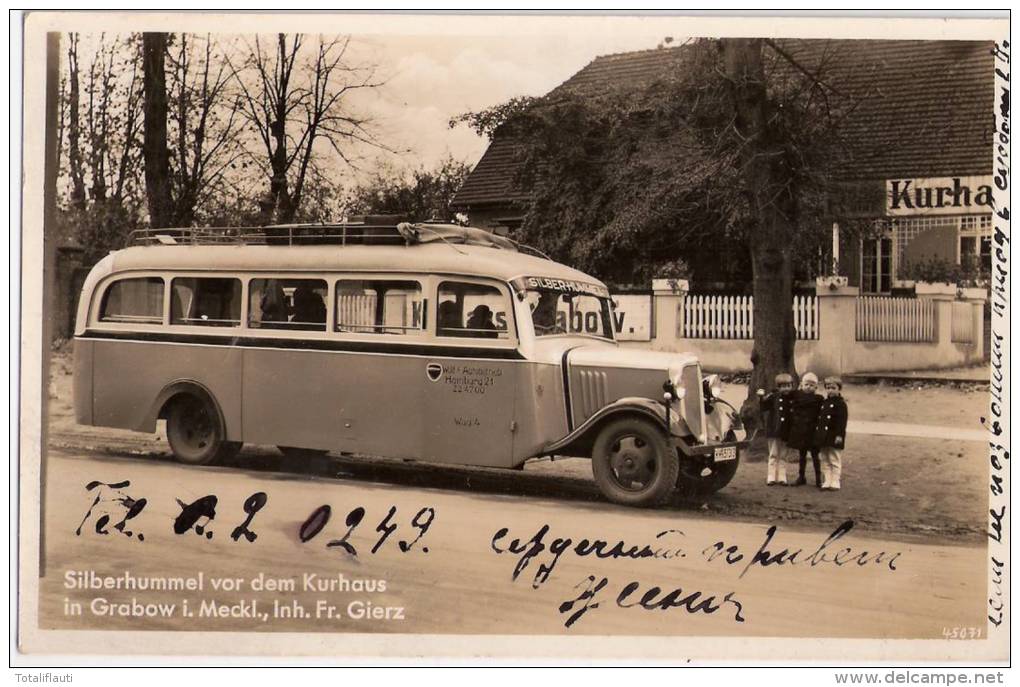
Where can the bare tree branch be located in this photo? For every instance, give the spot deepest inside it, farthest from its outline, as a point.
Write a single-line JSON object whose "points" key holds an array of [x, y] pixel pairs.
{"points": [[297, 106], [799, 67]]}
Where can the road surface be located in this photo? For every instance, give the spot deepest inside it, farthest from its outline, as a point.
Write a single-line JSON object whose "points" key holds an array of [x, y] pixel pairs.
{"points": [[452, 579]]}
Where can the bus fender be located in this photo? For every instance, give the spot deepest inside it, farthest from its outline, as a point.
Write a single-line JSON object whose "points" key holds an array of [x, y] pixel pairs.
{"points": [[583, 437], [158, 408]]}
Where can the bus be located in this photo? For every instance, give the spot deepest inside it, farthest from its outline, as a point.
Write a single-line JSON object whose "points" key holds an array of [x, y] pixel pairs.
{"points": [[426, 342]]}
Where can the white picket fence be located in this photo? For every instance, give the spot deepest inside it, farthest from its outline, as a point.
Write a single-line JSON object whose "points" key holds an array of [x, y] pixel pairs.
{"points": [[356, 311], [895, 319], [732, 317]]}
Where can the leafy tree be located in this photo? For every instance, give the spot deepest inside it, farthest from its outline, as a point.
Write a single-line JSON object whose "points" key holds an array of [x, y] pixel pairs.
{"points": [[417, 194], [737, 144], [487, 122]]}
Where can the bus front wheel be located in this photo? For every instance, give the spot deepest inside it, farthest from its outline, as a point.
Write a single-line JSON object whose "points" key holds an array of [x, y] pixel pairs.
{"points": [[634, 464], [196, 433]]}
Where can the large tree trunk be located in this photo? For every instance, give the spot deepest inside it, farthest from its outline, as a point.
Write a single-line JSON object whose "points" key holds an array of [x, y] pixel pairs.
{"points": [[283, 208], [772, 208], [774, 331], [157, 156]]}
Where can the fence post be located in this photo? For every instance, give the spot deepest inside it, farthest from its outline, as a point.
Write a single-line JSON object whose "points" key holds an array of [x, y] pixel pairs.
{"points": [[943, 296], [668, 297], [837, 327], [977, 297]]}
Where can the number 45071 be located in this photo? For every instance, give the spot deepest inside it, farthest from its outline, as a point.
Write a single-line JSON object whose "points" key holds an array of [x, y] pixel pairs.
{"points": [[962, 632]]}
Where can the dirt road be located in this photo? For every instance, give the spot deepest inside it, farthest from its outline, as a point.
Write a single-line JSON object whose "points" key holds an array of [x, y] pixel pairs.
{"points": [[452, 579]]}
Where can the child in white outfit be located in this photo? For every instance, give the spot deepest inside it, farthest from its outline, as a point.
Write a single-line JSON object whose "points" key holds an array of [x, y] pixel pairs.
{"points": [[830, 433], [775, 408]]}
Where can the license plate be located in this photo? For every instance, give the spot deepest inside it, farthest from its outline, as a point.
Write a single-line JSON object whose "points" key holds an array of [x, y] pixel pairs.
{"points": [[725, 453]]}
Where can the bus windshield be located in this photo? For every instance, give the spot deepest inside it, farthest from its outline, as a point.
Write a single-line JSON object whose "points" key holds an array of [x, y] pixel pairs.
{"points": [[555, 312]]}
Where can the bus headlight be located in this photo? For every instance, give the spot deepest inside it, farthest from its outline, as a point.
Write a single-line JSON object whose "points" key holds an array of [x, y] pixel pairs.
{"points": [[671, 394]]}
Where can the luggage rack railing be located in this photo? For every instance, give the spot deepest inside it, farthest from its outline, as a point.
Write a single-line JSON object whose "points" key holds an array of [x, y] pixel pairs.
{"points": [[280, 235], [326, 235]]}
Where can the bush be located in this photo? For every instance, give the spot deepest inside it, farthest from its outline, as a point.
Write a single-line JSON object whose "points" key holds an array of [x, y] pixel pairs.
{"points": [[676, 269], [941, 271]]}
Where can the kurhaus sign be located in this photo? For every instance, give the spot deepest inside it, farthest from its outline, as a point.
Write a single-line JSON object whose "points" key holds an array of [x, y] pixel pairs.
{"points": [[938, 196]]}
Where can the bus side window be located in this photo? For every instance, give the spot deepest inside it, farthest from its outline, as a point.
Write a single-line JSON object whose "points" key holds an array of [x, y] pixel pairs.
{"points": [[472, 310], [379, 306], [296, 304], [133, 301], [205, 301]]}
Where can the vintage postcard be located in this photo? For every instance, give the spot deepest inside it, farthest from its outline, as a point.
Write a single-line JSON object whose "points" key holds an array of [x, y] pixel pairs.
{"points": [[437, 336]]}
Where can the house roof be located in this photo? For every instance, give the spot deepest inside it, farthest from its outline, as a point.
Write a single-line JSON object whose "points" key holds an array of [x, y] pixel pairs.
{"points": [[924, 107]]}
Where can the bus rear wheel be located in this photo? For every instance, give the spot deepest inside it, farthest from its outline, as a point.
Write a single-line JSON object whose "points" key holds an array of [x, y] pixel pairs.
{"points": [[196, 433]]}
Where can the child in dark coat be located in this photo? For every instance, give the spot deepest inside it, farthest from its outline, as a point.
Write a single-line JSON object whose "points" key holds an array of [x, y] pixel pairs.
{"points": [[775, 408], [806, 405], [830, 433]]}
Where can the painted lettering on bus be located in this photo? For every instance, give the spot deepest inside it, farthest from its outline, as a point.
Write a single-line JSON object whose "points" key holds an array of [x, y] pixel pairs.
{"points": [[568, 285]]}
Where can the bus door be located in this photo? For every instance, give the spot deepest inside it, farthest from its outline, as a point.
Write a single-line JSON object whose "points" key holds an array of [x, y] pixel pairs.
{"points": [[470, 383]]}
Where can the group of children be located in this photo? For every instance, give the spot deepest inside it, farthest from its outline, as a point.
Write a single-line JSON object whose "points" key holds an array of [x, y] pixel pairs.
{"points": [[804, 421]]}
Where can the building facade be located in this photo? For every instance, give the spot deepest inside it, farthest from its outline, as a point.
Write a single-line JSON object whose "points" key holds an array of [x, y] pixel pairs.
{"points": [[921, 227]]}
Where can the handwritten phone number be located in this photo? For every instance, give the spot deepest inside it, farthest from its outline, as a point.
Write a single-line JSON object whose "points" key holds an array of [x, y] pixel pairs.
{"points": [[113, 510]]}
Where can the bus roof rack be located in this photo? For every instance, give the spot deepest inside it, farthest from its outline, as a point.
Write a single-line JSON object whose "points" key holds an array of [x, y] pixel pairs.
{"points": [[351, 233]]}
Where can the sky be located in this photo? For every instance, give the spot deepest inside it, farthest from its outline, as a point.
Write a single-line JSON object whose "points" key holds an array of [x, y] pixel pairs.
{"points": [[430, 79]]}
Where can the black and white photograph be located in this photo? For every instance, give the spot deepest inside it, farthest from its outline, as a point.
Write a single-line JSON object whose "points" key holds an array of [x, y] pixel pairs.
{"points": [[577, 337]]}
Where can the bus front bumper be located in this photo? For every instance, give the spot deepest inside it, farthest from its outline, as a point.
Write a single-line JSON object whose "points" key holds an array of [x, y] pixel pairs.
{"points": [[713, 454]]}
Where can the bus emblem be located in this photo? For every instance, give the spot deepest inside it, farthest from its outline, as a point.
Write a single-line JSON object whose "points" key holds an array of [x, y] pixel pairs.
{"points": [[434, 371]]}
